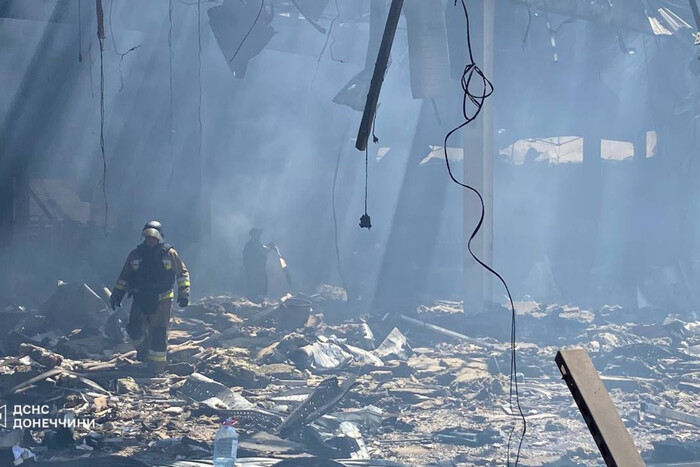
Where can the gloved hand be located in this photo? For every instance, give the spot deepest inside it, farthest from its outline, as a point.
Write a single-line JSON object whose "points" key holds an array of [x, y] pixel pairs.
{"points": [[183, 302], [115, 301]]}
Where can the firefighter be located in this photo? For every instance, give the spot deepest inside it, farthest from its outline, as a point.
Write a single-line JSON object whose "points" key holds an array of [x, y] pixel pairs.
{"points": [[148, 275]]}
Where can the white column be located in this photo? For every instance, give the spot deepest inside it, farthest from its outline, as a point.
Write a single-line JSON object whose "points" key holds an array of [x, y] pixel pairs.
{"points": [[478, 168]]}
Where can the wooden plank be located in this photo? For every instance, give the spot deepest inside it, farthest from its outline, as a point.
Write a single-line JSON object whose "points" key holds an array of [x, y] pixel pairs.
{"points": [[668, 413], [598, 410]]}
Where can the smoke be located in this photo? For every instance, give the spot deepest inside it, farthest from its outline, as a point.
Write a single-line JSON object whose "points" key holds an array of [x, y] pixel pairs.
{"points": [[270, 142]]}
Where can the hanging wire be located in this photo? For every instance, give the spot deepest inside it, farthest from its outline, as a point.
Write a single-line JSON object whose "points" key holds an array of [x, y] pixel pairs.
{"points": [[365, 221], [92, 85], [80, 35], [473, 72], [170, 70], [262, 4], [116, 51], [199, 77], [102, 136], [100, 37], [366, 176], [329, 35], [320, 55], [337, 9], [527, 29], [335, 223]]}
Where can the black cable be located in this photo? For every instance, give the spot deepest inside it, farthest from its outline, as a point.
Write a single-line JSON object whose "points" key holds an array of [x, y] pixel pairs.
{"points": [[262, 4], [527, 29], [170, 68], [337, 9], [320, 55], [365, 220], [92, 85], [565, 22], [102, 133], [116, 51], [330, 33], [80, 35], [470, 71], [335, 224], [554, 31], [366, 176], [199, 77]]}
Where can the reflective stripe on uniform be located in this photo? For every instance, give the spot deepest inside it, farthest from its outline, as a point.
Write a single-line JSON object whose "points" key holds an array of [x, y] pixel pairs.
{"points": [[167, 264], [183, 282], [135, 263], [157, 356], [166, 295], [137, 342], [121, 285]]}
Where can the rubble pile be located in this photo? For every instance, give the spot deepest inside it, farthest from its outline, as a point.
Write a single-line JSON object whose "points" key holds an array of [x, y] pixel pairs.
{"points": [[301, 378]]}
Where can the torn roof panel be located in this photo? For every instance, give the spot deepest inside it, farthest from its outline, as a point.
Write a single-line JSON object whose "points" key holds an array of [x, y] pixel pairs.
{"points": [[555, 150], [675, 22], [563, 150], [657, 28], [438, 153], [657, 17]]}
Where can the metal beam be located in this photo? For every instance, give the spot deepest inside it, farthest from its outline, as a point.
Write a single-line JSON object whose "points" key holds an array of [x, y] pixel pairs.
{"points": [[378, 76], [598, 410]]}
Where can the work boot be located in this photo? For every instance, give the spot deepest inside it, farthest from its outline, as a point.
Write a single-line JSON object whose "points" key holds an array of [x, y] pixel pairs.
{"points": [[140, 343], [156, 368], [142, 354]]}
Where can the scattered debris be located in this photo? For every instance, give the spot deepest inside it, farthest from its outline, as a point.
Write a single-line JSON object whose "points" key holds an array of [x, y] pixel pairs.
{"points": [[305, 377], [199, 388], [322, 400], [21, 455], [395, 344], [668, 413], [75, 306], [447, 332]]}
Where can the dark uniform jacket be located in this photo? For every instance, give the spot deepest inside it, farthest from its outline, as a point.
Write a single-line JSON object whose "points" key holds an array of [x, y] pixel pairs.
{"points": [[149, 273]]}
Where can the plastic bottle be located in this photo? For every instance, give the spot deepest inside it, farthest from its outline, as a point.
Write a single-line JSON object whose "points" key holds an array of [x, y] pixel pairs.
{"points": [[225, 445]]}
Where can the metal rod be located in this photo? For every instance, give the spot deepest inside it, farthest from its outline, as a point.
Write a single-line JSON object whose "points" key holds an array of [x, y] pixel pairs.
{"points": [[380, 67], [449, 333]]}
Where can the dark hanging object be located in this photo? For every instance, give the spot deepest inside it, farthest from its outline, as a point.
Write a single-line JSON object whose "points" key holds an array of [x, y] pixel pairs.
{"points": [[365, 222], [378, 76]]}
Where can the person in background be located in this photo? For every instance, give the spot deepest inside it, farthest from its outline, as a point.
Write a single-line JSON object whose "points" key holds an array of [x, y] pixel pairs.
{"points": [[148, 274], [254, 262]]}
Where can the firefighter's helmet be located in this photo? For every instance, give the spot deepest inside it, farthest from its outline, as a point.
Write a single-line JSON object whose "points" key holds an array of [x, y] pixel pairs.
{"points": [[153, 229]]}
